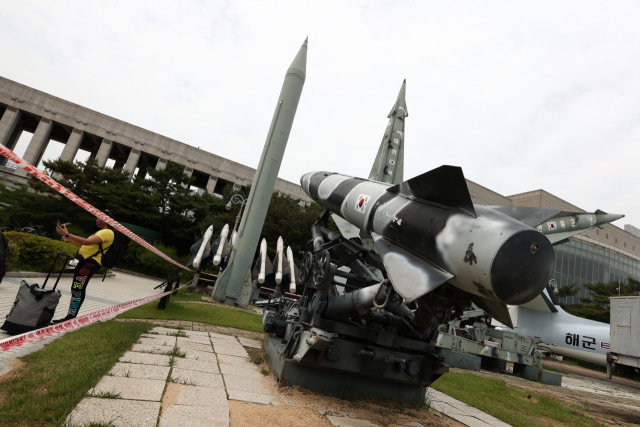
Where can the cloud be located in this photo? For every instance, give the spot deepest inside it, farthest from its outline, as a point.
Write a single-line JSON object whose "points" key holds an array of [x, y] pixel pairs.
{"points": [[521, 95]]}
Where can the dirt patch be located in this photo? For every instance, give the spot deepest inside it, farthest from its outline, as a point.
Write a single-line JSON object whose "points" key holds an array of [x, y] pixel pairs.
{"points": [[170, 395], [256, 355], [380, 411], [255, 415], [17, 368]]}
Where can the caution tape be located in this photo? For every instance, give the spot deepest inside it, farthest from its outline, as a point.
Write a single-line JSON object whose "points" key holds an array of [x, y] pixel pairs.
{"points": [[4, 151], [78, 322]]}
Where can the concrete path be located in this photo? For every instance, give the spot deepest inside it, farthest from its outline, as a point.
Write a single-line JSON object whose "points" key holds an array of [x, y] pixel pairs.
{"points": [[175, 378], [462, 412], [122, 288]]}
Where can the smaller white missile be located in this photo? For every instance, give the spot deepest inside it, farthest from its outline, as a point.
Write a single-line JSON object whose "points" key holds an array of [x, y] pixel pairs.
{"points": [[205, 241], [263, 259], [223, 238], [292, 268], [234, 237], [280, 255]]}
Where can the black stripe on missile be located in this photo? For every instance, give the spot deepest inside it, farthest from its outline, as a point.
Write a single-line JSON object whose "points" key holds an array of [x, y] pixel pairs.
{"points": [[386, 197], [314, 183], [340, 193]]}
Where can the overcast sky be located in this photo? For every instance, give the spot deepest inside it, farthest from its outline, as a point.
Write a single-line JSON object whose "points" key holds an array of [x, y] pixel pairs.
{"points": [[521, 95]]}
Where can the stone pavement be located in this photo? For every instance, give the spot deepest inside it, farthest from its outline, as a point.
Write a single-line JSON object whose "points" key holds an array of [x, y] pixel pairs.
{"points": [[175, 377], [461, 412], [122, 288]]}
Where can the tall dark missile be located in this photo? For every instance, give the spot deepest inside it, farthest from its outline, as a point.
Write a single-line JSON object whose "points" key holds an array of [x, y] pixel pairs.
{"points": [[389, 164], [236, 278]]}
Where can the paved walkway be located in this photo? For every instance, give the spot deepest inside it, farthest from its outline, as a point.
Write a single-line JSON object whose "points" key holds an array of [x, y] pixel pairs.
{"points": [[461, 412], [191, 388], [122, 288]]}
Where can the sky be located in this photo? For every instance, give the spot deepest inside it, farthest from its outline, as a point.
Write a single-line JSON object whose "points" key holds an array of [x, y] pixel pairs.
{"points": [[521, 95]]}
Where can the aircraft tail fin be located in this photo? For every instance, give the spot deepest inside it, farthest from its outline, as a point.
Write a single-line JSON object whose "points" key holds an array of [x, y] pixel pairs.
{"points": [[444, 187]]}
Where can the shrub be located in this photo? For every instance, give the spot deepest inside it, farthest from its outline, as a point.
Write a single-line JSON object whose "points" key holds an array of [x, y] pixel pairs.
{"points": [[34, 253]]}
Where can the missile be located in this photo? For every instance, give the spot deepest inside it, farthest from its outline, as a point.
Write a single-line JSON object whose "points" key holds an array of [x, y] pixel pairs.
{"points": [[221, 246], [279, 254], [427, 232], [292, 269], [234, 236], [558, 225], [263, 260], [205, 241]]}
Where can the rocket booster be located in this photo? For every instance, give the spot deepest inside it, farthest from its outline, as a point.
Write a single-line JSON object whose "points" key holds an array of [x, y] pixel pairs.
{"points": [[428, 232]]}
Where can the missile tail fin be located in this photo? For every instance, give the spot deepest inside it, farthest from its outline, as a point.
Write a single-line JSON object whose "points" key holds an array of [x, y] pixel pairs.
{"points": [[411, 275], [445, 187], [495, 309]]}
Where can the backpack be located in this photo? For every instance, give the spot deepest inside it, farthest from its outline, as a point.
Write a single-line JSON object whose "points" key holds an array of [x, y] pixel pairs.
{"points": [[4, 248], [114, 253]]}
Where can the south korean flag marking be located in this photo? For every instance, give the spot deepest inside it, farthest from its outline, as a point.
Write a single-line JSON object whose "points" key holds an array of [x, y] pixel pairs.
{"points": [[361, 203], [552, 226], [392, 162]]}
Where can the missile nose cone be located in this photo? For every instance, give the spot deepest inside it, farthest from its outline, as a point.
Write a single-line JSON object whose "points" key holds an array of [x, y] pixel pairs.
{"points": [[298, 67], [522, 267]]}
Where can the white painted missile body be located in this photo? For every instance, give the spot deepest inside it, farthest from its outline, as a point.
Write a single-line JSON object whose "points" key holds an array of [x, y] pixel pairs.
{"points": [[280, 255], [263, 260], [292, 268], [223, 238], [205, 241]]}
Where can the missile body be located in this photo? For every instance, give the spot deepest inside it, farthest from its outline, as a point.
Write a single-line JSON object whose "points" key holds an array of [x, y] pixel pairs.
{"points": [[232, 286], [427, 227], [223, 237], [263, 261], [205, 241]]}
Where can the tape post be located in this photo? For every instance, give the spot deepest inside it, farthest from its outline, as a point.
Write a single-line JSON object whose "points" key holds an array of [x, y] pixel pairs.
{"points": [[4, 151]]}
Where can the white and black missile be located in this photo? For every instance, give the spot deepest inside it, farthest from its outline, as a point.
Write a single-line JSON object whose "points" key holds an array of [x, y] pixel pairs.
{"points": [[428, 232]]}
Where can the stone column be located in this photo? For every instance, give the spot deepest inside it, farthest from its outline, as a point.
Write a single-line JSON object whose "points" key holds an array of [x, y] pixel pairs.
{"points": [[162, 164], [10, 119], [211, 184], [187, 171], [132, 161], [8, 123], [72, 145], [37, 144], [104, 151]]}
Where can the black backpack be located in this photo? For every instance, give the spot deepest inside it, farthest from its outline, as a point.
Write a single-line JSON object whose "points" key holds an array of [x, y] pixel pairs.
{"points": [[114, 253], [4, 248]]}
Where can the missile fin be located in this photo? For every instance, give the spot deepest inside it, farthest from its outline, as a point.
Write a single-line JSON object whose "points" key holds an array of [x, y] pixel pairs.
{"points": [[444, 187], [411, 275], [495, 309], [542, 303], [347, 229]]}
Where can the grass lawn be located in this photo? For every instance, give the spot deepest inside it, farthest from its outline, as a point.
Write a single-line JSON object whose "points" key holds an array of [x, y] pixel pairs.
{"points": [[211, 314], [509, 404], [55, 378], [184, 296]]}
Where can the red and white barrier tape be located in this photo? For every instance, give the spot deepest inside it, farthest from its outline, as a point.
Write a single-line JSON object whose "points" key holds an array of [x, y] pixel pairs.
{"points": [[4, 151], [84, 320]]}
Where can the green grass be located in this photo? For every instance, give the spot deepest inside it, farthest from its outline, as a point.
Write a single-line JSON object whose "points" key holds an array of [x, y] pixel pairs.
{"points": [[58, 376], [184, 296], [211, 314], [510, 404]]}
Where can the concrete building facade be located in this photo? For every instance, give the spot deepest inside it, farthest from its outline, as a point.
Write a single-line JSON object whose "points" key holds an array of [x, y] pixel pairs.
{"points": [[595, 255], [50, 118]]}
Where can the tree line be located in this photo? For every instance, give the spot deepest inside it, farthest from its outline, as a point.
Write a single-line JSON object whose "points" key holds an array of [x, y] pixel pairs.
{"points": [[161, 201]]}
